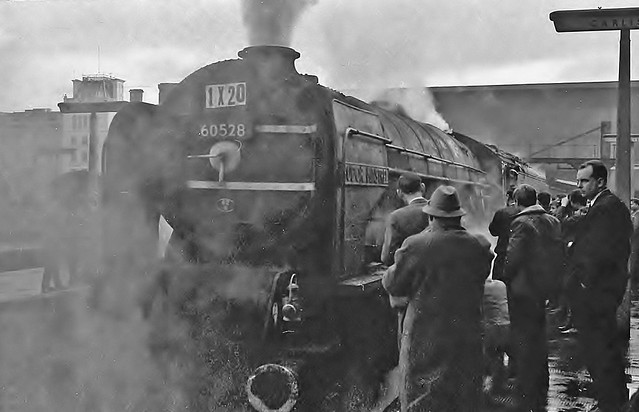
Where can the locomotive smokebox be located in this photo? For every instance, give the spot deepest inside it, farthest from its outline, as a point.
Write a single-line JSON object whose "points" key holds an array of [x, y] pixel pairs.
{"points": [[271, 62]]}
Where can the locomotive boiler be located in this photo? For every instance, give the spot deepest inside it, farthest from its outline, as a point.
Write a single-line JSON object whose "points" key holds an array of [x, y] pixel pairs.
{"points": [[285, 184]]}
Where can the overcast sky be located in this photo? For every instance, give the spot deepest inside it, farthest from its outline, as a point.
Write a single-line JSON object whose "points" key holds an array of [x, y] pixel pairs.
{"points": [[349, 44]]}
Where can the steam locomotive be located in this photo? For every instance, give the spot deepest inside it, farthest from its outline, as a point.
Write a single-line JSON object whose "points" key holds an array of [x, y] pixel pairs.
{"points": [[287, 185]]}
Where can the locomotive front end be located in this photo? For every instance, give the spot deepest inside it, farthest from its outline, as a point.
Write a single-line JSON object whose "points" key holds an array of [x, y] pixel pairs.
{"points": [[253, 201], [251, 159]]}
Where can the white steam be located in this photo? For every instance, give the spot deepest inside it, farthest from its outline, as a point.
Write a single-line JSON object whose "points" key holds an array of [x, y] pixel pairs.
{"points": [[419, 104]]}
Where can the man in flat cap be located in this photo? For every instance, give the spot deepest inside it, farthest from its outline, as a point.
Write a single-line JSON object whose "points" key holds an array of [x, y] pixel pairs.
{"points": [[441, 349]]}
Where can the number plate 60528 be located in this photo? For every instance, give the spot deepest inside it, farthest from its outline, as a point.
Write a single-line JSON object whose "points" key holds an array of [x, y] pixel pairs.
{"points": [[223, 130]]}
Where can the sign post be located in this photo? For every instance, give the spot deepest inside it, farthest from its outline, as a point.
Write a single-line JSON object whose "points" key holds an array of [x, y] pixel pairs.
{"points": [[624, 20]]}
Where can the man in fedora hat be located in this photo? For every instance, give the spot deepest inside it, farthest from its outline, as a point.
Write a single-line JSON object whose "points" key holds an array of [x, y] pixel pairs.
{"points": [[441, 348]]}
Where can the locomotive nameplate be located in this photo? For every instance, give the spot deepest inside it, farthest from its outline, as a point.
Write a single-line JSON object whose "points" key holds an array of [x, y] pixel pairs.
{"points": [[357, 174]]}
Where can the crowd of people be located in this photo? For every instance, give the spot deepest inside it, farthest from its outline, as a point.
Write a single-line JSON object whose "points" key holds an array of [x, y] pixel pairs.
{"points": [[459, 321]]}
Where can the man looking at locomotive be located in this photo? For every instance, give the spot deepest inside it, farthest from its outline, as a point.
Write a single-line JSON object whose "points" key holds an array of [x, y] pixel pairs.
{"points": [[534, 260], [598, 277], [441, 271], [408, 220]]}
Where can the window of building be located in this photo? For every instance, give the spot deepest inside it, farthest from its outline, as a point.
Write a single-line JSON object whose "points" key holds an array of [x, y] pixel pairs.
{"points": [[74, 141], [85, 156], [74, 156], [85, 140], [74, 122]]}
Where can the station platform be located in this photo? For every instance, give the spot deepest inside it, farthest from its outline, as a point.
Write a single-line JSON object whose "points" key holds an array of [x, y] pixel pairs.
{"points": [[569, 385]]}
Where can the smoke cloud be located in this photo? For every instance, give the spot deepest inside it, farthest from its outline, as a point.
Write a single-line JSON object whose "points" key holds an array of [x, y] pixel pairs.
{"points": [[272, 21], [419, 104]]}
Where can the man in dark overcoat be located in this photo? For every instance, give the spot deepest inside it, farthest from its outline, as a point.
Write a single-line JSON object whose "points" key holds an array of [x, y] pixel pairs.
{"points": [[598, 278], [533, 234], [442, 272], [408, 220]]}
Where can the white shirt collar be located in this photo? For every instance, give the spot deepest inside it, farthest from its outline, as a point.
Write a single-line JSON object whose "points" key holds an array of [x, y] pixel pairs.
{"points": [[416, 199]]}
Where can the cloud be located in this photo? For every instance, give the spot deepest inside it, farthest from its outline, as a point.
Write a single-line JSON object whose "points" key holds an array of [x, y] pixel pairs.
{"points": [[353, 44]]}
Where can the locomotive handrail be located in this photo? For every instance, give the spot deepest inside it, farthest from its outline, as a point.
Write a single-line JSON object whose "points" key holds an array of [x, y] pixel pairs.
{"points": [[427, 176], [350, 131], [438, 159]]}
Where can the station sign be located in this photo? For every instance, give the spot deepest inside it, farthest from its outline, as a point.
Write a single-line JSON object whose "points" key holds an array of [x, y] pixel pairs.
{"points": [[595, 19]]}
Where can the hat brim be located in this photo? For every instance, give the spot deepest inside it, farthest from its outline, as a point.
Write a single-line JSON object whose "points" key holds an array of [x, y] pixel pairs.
{"points": [[428, 209]]}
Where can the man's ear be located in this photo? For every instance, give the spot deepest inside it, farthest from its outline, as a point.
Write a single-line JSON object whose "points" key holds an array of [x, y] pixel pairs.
{"points": [[601, 183]]}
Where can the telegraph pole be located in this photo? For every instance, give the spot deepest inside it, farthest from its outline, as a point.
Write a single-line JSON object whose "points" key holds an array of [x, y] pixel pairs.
{"points": [[624, 168], [623, 20]]}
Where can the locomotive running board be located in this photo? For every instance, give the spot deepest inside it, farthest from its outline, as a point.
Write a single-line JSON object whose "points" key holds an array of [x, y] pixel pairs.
{"points": [[363, 283], [265, 186]]}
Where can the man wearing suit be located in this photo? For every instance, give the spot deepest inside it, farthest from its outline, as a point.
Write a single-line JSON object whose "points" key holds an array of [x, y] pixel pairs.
{"points": [[598, 277], [408, 220]]}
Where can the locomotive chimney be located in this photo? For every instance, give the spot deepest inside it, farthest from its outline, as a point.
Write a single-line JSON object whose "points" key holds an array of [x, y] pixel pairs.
{"points": [[271, 62]]}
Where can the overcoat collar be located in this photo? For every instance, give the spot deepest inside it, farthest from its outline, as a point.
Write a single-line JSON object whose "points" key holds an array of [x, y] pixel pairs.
{"points": [[534, 209]]}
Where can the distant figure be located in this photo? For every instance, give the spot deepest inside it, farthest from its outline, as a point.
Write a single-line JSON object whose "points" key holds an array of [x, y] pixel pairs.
{"points": [[570, 215], [52, 247], [598, 278], [534, 235], [408, 220], [634, 243], [500, 227], [442, 272], [496, 332], [544, 198], [66, 227]]}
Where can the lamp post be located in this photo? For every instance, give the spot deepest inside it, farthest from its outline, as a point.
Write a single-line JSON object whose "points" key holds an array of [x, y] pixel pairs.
{"points": [[623, 20]]}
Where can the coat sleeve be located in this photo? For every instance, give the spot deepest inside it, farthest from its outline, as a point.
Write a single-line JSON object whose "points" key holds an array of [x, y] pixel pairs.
{"points": [[484, 264], [597, 249], [495, 224], [520, 234], [390, 235], [401, 275]]}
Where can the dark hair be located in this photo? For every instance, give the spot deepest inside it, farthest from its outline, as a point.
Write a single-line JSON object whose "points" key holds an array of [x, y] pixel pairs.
{"points": [[525, 195], [599, 170], [577, 197], [409, 183], [544, 199]]}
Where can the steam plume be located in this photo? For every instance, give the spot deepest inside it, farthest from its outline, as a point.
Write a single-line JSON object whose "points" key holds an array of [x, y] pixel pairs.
{"points": [[419, 104], [272, 21]]}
